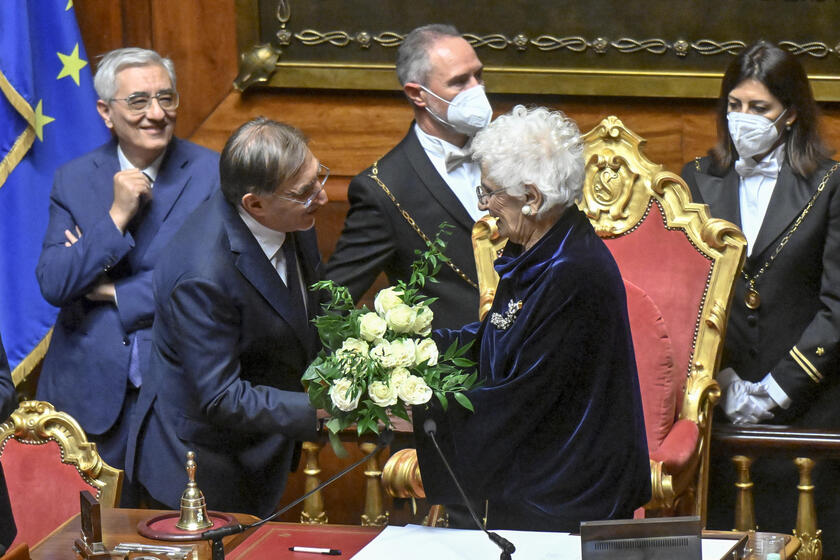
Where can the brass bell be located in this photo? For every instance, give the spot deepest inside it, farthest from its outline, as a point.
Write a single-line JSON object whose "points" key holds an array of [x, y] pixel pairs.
{"points": [[193, 507]]}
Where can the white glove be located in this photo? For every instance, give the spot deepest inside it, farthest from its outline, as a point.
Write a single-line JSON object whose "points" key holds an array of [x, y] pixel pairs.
{"points": [[748, 403], [725, 377]]}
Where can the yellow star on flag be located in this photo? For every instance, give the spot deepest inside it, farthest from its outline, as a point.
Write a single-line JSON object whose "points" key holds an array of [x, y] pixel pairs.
{"points": [[68, 6], [71, 64], [40, 120]]}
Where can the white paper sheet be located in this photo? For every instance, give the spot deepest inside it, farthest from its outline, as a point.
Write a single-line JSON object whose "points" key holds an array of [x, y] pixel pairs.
{"points": [[415, 542]]}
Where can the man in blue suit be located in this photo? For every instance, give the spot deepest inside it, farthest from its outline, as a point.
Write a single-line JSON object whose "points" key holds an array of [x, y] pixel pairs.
{"points": [[8, 402], [232, 333], [111, 213]]}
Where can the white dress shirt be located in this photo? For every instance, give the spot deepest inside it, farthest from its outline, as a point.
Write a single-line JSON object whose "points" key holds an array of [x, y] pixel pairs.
{"points": [[151, 172], [462, 180], [756, 188]]}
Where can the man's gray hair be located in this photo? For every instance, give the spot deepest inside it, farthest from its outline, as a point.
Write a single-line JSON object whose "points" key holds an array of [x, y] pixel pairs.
{"points": [[259, 156], [105, 80], [413, 55], [533, 146]]}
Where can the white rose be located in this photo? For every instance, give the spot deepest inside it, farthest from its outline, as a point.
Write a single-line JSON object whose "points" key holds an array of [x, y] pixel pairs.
{"points": [[340, 395], [414, 390], [398, 375], [423, 321], [382, 394], [400, 318], [353, 346], [371, 326], [403, 352], [426, 351], [387, 299], [381, 352]]}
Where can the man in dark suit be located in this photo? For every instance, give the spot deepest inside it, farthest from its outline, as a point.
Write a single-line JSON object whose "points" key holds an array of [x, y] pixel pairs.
{"points": [[398, 204], [232, 333], [8, 402], [111, 213]]}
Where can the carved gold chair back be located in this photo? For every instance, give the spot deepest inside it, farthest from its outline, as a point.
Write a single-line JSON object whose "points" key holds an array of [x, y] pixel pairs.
{"points": [[47, 460]]}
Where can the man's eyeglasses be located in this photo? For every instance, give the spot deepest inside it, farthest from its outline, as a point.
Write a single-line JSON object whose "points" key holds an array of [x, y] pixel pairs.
{"points": [[484, 195], [140, 102], [317, 187]]}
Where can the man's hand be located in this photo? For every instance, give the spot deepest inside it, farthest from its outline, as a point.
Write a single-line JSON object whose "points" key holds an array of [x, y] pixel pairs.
{"points": [[72, 239], [131, 190]]}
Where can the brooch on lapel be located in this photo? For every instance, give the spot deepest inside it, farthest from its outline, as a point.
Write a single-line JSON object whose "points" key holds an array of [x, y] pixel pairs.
{"points": [[503, 322]]}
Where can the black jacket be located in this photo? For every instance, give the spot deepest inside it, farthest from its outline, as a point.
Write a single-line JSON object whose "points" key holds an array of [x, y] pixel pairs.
{"points": [[378, 238], [795, 331]]}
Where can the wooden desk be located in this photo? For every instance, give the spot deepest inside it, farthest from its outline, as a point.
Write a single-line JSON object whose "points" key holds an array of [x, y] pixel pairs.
{"points": [[119, 525]]}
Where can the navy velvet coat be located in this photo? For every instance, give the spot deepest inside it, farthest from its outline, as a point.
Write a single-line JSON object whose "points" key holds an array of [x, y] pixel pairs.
{"points": [[558, 433], [229, 348]]}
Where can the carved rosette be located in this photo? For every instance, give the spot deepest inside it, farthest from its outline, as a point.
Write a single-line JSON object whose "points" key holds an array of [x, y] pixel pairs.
{"points": [[614, 164]]}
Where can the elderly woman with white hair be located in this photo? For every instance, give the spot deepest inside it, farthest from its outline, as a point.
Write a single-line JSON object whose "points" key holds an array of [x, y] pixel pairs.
{"points": [[558, 435]]}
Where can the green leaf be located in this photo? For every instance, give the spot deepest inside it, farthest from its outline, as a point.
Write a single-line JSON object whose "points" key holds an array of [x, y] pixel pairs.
{"points": [[444, 402], [399, 411], [381, 414], [334, 425], [463, 362], [464, 401], [338, 447]]}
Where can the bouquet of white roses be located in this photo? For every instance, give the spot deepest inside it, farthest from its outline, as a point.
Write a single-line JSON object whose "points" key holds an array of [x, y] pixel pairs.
{"points": [[378, 361]]}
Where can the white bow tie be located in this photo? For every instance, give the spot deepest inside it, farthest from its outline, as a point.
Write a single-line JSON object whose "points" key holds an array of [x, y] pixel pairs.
{"points": [[454, 158], [749, 167]]}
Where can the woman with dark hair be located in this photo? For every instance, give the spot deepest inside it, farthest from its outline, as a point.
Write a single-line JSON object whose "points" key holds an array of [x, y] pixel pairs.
{"points": [[770, 174]]}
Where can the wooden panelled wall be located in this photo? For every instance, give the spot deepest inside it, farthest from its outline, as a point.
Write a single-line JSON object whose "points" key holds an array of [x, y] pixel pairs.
{"points": [[348, 129]]}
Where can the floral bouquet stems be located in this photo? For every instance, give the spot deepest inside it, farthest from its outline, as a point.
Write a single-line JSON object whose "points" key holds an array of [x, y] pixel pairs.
{"points": [[376, 362]]}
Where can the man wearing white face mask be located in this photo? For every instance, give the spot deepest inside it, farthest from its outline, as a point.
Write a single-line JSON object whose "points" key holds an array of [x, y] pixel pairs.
{"points": [[428, 178], [770, 174]]}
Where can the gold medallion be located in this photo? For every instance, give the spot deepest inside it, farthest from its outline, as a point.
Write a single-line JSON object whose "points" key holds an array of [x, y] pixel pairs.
{"points": [[752, 299]]}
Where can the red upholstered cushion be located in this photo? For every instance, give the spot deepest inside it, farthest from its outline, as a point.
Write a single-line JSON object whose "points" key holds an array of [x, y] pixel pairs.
{"points": [[669, 269], [678, 448], [660, 384], [44, 491]]}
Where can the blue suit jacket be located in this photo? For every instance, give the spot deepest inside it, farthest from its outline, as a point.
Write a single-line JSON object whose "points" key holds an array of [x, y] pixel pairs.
{"points": [[85, 371], [229, 348]]}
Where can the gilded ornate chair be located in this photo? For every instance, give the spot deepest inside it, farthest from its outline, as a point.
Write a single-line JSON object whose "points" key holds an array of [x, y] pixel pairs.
{"points": [[679, 266], [47, 460]]}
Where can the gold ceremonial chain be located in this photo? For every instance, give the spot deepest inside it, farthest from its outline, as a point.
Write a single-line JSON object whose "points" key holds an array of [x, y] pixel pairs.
{"points": [[413, 224], [752, 299]]}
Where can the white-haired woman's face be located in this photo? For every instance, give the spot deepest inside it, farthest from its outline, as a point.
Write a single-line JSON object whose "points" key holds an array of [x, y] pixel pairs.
{"points": [[508, 211]]}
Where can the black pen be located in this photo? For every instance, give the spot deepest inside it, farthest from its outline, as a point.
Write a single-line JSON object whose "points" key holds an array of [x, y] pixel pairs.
{"points": [[313, 550]]}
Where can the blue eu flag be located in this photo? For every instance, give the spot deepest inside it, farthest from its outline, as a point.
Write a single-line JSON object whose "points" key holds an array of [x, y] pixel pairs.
{"points": [[47, 117]]}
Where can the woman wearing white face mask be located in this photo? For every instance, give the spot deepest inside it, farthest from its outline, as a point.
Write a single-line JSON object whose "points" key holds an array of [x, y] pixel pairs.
{"points": [[770, 174]]}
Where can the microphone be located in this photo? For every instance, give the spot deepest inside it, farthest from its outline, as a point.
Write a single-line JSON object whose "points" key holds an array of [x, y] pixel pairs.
{"points": [[216, 535], [430, 427]]}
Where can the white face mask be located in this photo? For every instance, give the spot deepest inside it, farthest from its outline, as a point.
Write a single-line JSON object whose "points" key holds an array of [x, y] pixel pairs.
{"points": [[752, 135], [468, 112]]}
